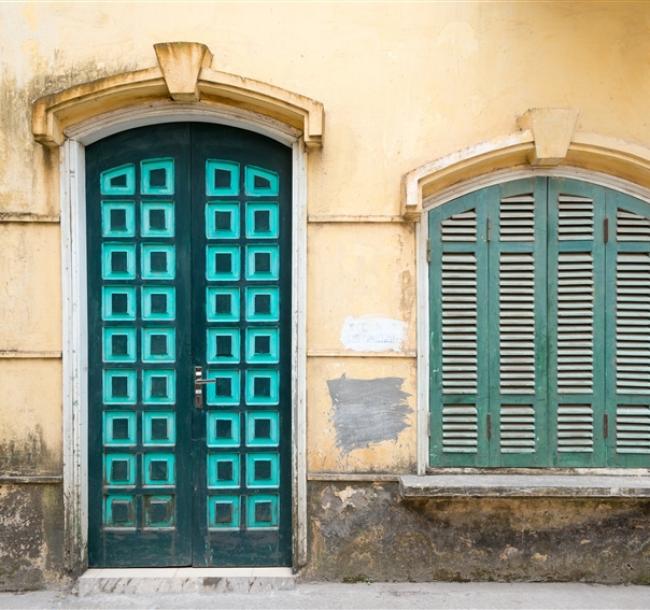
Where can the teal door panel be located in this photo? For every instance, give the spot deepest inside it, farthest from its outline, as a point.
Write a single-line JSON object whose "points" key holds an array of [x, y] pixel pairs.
{"points": [[241, 295], [189, 263]]}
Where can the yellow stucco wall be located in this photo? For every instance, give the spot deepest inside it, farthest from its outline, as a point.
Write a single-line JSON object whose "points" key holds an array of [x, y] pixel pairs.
{"points": [[401, 84]]}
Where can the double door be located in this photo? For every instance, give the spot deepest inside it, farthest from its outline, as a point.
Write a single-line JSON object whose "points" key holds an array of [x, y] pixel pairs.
{"points": [[189, 309]]}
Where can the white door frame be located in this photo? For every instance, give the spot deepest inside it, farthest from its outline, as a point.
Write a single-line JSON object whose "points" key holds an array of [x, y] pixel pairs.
{"points": [[74, 292]]}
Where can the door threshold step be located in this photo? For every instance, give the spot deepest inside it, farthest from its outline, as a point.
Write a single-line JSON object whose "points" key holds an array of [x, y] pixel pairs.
{"points": [[127, 581]]}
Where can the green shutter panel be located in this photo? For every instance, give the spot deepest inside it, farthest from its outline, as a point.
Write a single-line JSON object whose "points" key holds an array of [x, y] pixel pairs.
{"points": [[628, 335], [517, 324], [459, 346], [576, 322]]}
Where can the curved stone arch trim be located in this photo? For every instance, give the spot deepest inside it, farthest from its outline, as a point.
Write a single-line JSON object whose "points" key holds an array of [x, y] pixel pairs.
{"points": [[548, 142], [183, 74]]}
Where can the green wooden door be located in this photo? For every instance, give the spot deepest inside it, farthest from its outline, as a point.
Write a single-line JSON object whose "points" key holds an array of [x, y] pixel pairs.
{"points": [[540, 318], [189, 319]]}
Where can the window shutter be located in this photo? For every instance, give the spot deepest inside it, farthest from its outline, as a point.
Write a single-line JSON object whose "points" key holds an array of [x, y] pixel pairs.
{"points": [[540, 327], [628, 321], [576, 323], [458, 333], [517, 272]]}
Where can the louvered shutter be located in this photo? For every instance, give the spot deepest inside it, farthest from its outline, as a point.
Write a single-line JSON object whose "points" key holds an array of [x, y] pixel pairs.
{"points": [[576, 323], [628, 337], [458, 324], [540, 327], [517, 326]]}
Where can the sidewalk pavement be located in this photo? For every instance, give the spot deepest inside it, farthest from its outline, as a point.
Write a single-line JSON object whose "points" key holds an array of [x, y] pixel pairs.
{"points": [[326, 596]]}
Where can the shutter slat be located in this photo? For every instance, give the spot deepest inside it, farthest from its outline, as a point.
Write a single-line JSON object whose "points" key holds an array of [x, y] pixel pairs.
{"points": [[460, 227], [632, 331]]}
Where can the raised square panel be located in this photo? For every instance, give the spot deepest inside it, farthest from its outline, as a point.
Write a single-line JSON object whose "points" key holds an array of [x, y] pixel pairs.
{"points": [[118, 303], [222, 346], [118, 180], [119, 429], [262, 511], [223, 470], [157, 219], [118, 261], [158, 387], [119, 469], [119, 387], [222, 429], [262, 263], [262, 345], [119, 511], [222, 263], [158, 428], [262, 470], [159, 512], [158, 344], [226, 390], [222, 304], [158, 262], [262, 387], [262, 304], [221, 178], [261, 182], [158, 303], [157, 177], [262, 429], [221, 220], [119, 344], [223, 512], [118, 219], [158, 469], [262, 220]]}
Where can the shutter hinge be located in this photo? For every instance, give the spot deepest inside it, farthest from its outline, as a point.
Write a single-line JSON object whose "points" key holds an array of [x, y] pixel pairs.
{"points": [[605, 230], [489, 426], [605, 425], [428, 427], [428, 250], [488, 230]]}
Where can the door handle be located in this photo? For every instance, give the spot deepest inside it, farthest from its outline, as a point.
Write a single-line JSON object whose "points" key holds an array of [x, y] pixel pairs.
{"points": [[199, 382]]}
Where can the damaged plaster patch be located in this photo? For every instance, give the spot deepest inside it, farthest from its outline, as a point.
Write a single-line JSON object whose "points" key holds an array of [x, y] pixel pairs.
{"points": [[373, 334], [367, 410]]}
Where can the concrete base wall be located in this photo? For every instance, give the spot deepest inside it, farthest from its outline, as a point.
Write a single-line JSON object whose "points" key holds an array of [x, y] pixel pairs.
{"points": [[364, 532], [367, 532], [31, 536]]}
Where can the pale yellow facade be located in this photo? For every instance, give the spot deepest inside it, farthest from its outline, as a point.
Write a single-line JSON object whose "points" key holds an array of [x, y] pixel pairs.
{"points": [[402, 84]]}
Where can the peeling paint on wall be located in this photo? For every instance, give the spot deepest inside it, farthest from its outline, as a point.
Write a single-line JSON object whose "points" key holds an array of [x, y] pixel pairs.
{"points": [[367, 410], [373, 334]]}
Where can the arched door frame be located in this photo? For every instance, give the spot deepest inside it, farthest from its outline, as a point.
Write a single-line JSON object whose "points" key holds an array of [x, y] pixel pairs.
{"points": [[77, 117], [422, 238]]}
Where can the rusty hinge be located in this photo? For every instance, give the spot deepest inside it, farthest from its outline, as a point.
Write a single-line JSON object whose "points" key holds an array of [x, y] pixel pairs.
{"points": [[605, 230], [605, 425], [428, 250], [489, 426], [488, 230]]}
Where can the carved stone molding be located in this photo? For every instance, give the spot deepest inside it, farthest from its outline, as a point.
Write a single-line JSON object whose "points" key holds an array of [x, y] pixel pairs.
{"points": [[185, 75], [553, 130], [547, 138]]}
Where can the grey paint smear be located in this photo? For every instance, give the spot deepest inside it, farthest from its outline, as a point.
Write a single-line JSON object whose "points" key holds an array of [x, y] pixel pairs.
{"points": [[367, 410]]}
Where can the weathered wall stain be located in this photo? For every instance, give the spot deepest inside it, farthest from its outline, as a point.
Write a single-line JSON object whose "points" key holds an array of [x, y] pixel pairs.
{"points": [[31, 536], [367, 532], [367, 410]]}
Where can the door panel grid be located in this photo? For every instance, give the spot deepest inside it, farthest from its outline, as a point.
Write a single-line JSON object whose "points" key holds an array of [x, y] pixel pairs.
{"points": [[189, 265]]}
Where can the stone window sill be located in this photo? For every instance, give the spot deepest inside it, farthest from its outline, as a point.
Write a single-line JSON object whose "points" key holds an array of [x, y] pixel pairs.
{"points": [[525, 486]]}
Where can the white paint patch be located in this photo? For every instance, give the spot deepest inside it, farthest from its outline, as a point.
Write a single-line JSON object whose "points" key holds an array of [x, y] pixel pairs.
{"points": [[373, 334]]}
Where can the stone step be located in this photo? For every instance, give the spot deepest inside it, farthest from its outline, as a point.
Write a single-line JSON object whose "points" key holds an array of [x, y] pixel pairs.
{"points": [[128, 581]]}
